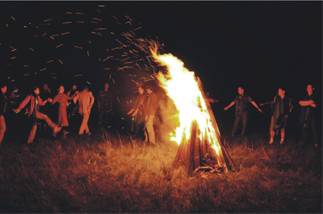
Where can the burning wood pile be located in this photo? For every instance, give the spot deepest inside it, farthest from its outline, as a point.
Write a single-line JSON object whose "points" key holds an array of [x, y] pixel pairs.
{"points": [[200, 147]]}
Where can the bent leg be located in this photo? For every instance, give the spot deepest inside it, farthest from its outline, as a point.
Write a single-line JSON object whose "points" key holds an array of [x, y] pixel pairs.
{"points": [[32, 134], [45, 118]]}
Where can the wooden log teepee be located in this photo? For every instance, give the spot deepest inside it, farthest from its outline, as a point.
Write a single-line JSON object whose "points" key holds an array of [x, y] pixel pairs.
{"points": [[196, 154]]}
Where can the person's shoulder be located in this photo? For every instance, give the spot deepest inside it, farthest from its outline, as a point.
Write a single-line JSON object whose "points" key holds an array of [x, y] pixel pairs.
{"points": [[90, 93]]}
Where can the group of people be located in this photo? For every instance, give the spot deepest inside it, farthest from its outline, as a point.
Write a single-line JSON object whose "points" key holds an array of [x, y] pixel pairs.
{"points": [[81, 101], [144, 110], [75, 104], [143, 113], [281, 107]]}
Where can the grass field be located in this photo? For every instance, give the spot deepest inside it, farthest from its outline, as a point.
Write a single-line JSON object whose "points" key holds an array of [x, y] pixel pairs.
{"points": [[100, 176]]}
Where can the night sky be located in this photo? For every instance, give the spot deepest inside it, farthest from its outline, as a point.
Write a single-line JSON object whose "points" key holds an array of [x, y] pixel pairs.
{"points": [[259, 45]]}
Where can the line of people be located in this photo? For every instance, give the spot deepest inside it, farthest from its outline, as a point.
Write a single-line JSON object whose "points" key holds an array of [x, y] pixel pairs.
{"points": [[144, 110], [143, 113], [281, 107], [83, 101]]}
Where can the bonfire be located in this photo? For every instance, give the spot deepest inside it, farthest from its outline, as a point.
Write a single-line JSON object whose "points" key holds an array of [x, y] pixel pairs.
{"points": [[198, 135]]}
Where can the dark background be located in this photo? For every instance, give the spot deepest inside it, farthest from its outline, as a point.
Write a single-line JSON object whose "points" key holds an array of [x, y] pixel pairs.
{"points": [[259, 45]]}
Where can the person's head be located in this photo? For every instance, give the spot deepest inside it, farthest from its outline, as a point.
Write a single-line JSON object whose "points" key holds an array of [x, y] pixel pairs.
{"points": [[74, 87], [309, 89], [61, 89], [281, 92], [240, 90], [36, 90], [46, 87], [86, 88], [4, 88], [141, 90], [106, 87], [150, 87], [149, 90]]}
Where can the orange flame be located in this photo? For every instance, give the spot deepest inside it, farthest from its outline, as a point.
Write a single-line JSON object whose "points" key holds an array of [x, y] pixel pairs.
{"points": [[182, 86]]}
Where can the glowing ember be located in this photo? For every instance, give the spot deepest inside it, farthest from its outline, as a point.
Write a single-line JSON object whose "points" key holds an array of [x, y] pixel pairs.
{"points": [[183, 87]]}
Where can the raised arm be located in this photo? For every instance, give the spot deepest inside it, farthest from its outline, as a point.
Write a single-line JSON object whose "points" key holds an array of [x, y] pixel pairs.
{"points": [[229, 106]]}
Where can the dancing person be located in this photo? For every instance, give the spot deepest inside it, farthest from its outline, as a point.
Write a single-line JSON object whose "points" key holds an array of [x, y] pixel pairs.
{"points": [[48, 110], [73, 91], [85, 100], [62, 99], [281, 108], [137, 111], [307, 117], [4, 103], [151, 106], [72, 109], [104, 104], [46, 94], [241, 103], [34, 100]]}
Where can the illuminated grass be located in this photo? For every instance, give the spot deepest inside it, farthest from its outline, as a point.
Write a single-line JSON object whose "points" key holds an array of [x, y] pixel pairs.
{"points": [[92, 177]]}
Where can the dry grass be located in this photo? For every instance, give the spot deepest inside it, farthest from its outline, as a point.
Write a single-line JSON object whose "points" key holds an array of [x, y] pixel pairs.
{"points": [[90, 176]]}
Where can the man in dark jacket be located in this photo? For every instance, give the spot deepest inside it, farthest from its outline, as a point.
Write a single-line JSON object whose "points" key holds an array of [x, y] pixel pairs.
{"points": [[307, 117], [137, 112], [281, 107], [34, 101], [241, 103], [104, 104], [151, 106]]}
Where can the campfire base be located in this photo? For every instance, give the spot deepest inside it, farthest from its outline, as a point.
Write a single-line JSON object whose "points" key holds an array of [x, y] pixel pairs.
{"points": [[196, 155]]}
